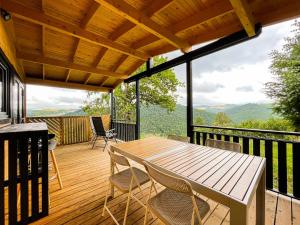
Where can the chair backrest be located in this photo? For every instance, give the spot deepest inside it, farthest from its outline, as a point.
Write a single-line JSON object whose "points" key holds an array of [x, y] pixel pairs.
{"points": [[179, 138], [174, 183], [97, 126], [118, 159], [225, 145]]}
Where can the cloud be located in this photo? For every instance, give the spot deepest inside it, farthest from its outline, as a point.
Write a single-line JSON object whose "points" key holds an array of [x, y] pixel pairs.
{"points": [[245, 89], [207, 87]]}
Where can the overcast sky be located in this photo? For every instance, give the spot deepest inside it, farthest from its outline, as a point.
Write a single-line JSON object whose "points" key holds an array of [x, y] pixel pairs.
{"points": [[232, 76]]}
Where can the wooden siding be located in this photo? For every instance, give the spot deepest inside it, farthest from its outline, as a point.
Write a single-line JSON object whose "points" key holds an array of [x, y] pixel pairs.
{"points": [[84, 173], [7, 40]]}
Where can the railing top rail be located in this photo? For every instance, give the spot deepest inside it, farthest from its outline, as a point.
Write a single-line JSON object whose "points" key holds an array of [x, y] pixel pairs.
{"points": [[249, 130], [44, 117]]}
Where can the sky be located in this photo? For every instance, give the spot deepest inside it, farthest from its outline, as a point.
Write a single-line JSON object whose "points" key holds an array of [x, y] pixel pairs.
{"points": [[235, 75]]}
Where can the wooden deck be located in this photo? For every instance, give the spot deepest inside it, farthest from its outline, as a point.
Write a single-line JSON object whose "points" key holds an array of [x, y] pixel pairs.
{"points": [[84, 173]]}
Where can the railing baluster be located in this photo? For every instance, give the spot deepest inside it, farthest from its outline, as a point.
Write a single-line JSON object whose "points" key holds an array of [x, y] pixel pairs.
{"points": [[282, 167], [2, 169], [245, 145], [204, 138], [211, 136], [296, 169], [197, 137], [219, 136], [226, 138], [236, 139], [34, 174], [256, 146], [269, 163]]}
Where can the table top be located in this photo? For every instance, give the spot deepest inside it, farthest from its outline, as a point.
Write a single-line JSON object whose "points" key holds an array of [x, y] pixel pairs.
{"points": [[24, 127], [220, 173]]}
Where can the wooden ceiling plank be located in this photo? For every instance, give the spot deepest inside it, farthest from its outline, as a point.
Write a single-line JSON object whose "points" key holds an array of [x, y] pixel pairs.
{"points": [[85, 21], [89, 76], [69, 65], [216, 10], [61, 84], [68, 75], [50, 22], [135, 16], [155, 7], [244, 13]]}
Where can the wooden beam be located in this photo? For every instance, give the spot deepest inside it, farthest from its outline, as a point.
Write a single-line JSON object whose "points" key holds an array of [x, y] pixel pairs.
{"points": [[216, 10], [37, 17], [85, 21], [244, 13], [61, 84], [89, 75], [119, 63], [155, 7], [103, 81], [135, 16], [69, 65], [67, 75], [44, 72]]}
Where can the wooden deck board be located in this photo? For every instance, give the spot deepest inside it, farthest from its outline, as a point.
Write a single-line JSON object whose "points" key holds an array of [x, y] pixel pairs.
{"points": [[84, 173]]}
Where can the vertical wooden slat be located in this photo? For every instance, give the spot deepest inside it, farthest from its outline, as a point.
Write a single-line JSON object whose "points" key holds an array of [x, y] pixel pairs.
{"points": [[24, 178], [34, 175], [282, 167], [45, 191], [245, 145], [236, 139], [2, 180], [226, 138], [197, 138], [296, 169], [204, 138], [12, 160], [256, 146], [269, 163]]}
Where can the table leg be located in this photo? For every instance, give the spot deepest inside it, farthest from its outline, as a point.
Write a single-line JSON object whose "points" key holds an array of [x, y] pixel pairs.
{"points": [[238, 213], [112, 172], [260, 200]]}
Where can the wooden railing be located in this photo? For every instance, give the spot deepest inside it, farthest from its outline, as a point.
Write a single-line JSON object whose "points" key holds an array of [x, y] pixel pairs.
{"points": [[67, 130], [125, 130], [77, 129], [281, 150]]}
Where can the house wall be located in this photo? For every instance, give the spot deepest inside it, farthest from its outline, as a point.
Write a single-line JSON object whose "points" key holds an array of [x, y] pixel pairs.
{"points": [[7, 45]]}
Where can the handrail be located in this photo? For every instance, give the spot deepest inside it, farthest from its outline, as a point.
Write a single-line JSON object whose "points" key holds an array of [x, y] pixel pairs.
{"points": [[249, 130]]}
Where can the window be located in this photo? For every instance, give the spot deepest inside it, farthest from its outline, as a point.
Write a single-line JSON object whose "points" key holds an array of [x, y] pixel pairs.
{"points": [[4, 89]]}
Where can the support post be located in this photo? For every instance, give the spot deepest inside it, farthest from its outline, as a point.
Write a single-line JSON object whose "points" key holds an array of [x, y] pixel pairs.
{"points": [[137, 108], [189, 108], [112, 106]]}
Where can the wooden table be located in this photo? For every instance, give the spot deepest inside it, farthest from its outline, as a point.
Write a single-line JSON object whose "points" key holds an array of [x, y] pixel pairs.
{"points": [[229, 178]]}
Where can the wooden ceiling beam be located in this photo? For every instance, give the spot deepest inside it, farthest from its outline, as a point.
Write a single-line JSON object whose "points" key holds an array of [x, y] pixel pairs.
{"points": [[65, 64], [155, 7], [61, 84], [214, 11], [84, 23], [127, 11], [50, 22], [244, 13]]}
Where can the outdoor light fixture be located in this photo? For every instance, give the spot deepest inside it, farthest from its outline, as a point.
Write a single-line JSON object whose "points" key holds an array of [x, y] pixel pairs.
{"points": [[6, 16]]}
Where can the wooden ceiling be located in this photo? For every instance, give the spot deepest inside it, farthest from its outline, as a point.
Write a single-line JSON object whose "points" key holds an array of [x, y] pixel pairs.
{"points": [[96, 44]]}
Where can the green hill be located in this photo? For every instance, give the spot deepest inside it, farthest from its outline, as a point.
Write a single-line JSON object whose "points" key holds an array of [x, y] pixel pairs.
{"points": [[240, 113]]}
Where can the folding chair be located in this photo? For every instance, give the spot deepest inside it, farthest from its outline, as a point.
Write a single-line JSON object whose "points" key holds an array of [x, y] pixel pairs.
{"points": [[99, 132], [125, 181], [176, 204], [225, 145]]}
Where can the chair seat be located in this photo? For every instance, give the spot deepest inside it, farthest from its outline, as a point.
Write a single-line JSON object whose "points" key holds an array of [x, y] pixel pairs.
{"points": [[175, 208], [122, 179]]}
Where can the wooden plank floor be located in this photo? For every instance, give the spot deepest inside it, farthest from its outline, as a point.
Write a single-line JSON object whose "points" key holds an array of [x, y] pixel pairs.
{"points": [[84, 173]]}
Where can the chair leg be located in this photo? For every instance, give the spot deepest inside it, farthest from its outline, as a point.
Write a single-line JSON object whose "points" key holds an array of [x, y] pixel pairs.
{"points": [[94, 142], [146, 216], [127, 206], [106, 141], [56, 169], [105, 202]]}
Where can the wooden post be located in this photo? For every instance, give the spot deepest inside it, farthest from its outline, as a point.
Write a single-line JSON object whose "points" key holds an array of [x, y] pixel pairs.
{"points": [[189, 108], [137, 108]]}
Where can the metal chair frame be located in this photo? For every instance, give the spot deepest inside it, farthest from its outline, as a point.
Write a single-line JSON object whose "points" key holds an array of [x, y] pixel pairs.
{"points": [[121, 160]]}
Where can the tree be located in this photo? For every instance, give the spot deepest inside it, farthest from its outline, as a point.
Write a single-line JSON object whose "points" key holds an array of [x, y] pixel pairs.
{"points": [[159, 89], [200, 120], [222, 120], [285, 89]]}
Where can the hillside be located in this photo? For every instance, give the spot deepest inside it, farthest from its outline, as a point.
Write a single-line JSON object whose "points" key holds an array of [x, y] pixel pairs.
{"points": [[239, 113], [154, 119]]}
